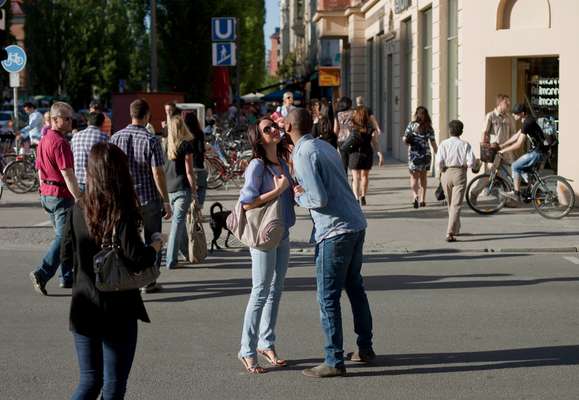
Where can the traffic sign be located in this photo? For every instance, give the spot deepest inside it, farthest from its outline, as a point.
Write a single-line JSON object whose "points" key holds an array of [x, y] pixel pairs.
{"points": [[16, 60], [14, 79], [224, 55], [223, 29]]}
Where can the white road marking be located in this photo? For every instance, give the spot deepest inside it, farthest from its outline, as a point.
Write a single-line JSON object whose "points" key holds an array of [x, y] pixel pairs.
{"points": [[574, 260], [45, 223]]}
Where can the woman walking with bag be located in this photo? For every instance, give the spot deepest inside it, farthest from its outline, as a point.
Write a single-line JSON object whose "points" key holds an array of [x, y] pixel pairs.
{"points": [[343, 126], [198, 156], [267, 177], [181, 185], [105, 323], [419, 136], [361, 160]]}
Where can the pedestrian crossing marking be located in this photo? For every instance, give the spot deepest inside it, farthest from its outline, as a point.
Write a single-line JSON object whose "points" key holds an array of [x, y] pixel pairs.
{"points": [[574, 260]]}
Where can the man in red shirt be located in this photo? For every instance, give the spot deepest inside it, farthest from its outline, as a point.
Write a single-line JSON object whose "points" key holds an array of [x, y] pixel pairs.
{"points": [[58, 191]]}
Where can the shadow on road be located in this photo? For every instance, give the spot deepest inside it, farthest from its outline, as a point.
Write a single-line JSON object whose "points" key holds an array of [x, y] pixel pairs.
{"points": [[198, 290], [432, 363]]}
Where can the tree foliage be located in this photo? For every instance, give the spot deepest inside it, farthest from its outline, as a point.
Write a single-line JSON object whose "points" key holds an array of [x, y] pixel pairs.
{"points": [[83, 48]]}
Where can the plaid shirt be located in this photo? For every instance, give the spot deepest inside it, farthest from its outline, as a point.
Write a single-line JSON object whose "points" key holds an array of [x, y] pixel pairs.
{"points": [[144, 152], [81, 143]]}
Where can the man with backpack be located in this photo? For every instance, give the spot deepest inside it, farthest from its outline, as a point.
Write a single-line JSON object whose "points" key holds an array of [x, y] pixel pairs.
{"points": [[539, 145]]}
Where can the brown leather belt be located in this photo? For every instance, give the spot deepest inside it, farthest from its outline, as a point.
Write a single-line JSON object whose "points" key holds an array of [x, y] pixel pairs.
{"points": [[54, 183]]}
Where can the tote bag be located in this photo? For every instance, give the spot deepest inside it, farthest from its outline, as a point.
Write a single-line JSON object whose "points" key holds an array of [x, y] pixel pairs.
{"points": [[196, 235]]}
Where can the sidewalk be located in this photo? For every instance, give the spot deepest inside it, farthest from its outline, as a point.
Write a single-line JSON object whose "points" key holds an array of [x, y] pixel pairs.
{"points": [[395, 227]]}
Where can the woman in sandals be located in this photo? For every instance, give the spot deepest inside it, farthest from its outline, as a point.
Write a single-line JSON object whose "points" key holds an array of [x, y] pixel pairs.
{"points": [[267, 177], [419, 136]]}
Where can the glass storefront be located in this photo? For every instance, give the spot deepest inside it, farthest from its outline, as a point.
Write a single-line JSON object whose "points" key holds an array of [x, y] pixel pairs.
{"points": [[538, 87]]}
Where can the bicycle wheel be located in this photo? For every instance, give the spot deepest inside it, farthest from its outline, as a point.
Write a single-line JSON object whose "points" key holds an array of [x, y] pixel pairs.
{"points": [[214, 169], [20, 176], [486, 197], [553, 197]]}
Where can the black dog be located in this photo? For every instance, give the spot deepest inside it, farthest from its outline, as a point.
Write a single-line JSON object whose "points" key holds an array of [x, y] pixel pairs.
{"points": [[217, 223]]}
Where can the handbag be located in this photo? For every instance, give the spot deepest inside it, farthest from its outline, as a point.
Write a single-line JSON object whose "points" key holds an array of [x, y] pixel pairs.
{"points": [[115, 273], [439, 193], [261, 227], [352, 143], [196, 233], [488, 152]]}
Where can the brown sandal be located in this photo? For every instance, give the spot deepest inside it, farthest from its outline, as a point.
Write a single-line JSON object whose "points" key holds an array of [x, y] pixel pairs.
{"points": [[252, 368], [271, 357]]}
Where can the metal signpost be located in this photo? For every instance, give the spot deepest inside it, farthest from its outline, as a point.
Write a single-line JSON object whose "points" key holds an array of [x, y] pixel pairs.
{"points": [[225, 37], [15, 63]]}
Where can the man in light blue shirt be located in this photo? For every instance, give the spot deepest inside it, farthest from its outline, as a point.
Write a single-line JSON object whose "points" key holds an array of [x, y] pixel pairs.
{"points": [[339, 231], [31, 132]]}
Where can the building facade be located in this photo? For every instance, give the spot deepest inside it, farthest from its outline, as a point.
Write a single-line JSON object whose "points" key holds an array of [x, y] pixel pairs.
{"points": [[274, 53], [454, 57]]}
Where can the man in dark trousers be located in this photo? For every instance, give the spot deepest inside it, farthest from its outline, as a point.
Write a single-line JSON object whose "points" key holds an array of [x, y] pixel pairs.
{"points": [[339, 231], [146, 161]]}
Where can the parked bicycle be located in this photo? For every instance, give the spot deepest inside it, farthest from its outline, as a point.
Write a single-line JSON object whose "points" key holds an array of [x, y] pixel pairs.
{"points": [[18, 172], [551, 196], [227, 160]]}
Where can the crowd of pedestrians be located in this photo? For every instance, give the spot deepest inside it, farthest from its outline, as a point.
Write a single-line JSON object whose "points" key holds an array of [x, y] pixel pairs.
{"points": [[111, 187]]}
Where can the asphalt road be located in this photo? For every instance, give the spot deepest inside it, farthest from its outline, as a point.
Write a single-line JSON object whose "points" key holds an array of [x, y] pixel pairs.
{"points": [[447, 326]]}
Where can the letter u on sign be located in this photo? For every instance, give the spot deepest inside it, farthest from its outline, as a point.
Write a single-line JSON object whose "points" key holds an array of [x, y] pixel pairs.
{"points": [[223, 29]]}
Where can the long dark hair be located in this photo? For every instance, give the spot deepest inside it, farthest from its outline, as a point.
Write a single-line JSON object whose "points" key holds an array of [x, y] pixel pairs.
{"points": [[422, 117], [194, 126], [258, 151], [110, 195], [344, 104]]}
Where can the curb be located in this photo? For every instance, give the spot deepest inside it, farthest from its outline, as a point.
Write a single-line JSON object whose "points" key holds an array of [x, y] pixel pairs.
{"points": [[441, 251]]}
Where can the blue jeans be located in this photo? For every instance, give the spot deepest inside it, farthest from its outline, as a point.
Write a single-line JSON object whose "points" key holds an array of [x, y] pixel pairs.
{"points": [[57, 209], [525, 161], [105, 364], [268, 269], [338, 265], [178, 239]]}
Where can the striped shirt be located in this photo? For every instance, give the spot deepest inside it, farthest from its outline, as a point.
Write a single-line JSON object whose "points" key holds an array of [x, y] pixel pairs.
{"points": [[144, 152], [82, 142]]}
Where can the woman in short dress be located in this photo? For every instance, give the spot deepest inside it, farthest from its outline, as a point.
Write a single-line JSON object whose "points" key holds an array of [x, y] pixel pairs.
{"points": [[419, 136]]}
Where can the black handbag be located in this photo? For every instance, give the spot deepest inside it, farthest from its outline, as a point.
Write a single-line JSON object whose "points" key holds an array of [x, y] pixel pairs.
{"points": [[114, 272], [352, 143], [439, 193]]}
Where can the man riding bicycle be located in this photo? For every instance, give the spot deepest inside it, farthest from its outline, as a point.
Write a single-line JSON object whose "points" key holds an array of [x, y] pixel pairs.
{"points": [[537, 150]]}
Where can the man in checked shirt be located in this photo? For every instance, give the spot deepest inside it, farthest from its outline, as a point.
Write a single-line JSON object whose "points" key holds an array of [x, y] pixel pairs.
{"points": [[83, 141], [146, 161]]}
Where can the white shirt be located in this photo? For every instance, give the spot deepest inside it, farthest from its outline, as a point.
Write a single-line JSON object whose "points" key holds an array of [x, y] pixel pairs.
{"points": [[454, 152]]}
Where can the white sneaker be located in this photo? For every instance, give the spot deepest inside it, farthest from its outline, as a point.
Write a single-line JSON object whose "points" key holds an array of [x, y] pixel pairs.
{"points": [[512, 195]]}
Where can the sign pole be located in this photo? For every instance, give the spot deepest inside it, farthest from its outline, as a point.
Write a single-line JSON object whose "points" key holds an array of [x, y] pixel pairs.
{"points": [[238, 72], [16, 122]]}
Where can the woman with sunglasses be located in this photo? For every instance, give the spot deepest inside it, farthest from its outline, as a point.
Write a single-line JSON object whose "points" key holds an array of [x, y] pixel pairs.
{"points": [[267, 177]]}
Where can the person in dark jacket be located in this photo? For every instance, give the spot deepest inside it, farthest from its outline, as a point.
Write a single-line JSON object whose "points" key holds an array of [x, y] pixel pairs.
{"points": [[104, 324], [192, 123]]}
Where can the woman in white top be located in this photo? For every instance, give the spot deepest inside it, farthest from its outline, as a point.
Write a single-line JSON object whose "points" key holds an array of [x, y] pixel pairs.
{"points": [[453, 158]]}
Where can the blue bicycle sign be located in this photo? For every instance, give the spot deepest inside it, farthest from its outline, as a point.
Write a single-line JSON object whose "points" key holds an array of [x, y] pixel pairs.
{"points": [[16, 60]]}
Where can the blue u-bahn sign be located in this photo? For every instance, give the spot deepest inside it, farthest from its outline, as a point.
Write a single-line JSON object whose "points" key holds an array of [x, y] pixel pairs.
{"points": [[223, 29]]}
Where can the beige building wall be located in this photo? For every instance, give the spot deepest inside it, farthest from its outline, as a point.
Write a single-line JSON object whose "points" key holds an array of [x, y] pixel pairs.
{"points": [[531, 28]]}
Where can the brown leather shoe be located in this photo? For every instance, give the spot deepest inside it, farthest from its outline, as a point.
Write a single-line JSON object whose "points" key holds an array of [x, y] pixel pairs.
{"points": [[324, 371], [363, 356]]}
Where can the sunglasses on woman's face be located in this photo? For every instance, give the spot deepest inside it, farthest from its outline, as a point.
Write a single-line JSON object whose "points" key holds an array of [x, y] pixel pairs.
{"points": [[268, 129]]}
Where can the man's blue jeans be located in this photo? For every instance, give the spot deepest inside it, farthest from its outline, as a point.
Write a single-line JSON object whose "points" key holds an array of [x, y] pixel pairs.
{"points": [[178, 239], [338, 266], [105, 363], [268, 270], [57, 209]]}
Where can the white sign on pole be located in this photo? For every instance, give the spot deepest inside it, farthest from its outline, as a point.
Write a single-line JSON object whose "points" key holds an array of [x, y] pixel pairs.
{"points": [[224, 54], [223, 29], [14, 79]]}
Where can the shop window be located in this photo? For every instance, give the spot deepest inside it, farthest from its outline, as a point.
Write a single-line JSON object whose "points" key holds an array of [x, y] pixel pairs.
{"points": [[519, 14], [426, 83], [452, 95]]}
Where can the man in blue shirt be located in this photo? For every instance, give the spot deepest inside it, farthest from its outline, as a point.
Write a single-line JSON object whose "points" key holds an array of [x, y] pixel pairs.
{"points": [[339, 231], [82, 143], [31, 132]]}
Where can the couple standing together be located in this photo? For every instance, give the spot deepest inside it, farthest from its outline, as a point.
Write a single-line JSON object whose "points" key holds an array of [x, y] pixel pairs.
{"points": [[339, 230]]}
